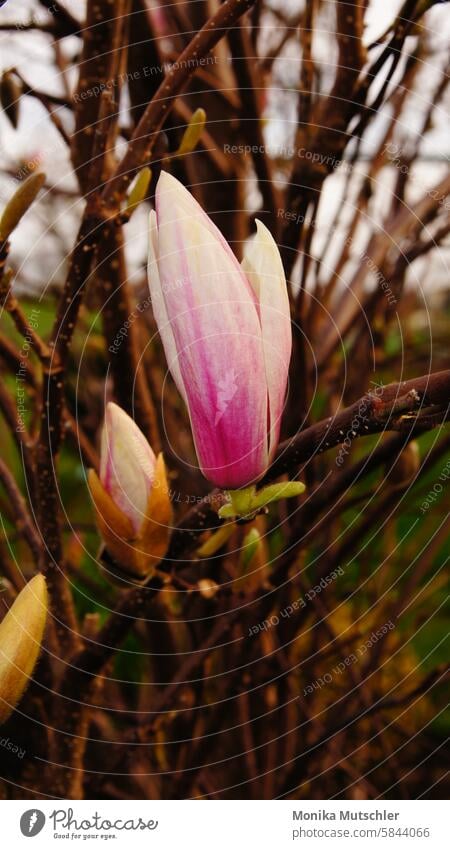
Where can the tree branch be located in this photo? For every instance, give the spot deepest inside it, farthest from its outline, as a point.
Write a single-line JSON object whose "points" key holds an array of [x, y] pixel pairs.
{"points": [[433, 388], [145, 135]]}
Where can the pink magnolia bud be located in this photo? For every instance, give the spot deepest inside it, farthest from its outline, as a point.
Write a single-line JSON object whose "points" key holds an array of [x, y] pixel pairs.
{"points": [[127, 464], [226, 332], [131, 495]]}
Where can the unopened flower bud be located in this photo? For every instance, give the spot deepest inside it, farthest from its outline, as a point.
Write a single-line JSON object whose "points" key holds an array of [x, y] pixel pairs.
{"points": [[226, 331], [21, 633], [139, 190], [20, 202], [10, 92], [131, 496], [193, 132]]}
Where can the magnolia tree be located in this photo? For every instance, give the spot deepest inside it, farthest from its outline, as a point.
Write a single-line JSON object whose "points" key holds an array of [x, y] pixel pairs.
{"points": [[224, 400]]}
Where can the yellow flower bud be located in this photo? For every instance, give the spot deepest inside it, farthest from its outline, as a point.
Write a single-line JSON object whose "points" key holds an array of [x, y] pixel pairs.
{"points": [[20, 202], [193, 132], [139, 190], [21, 633]]}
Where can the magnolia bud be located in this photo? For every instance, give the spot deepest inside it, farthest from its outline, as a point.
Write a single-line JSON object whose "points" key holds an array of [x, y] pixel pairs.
{"points": [[139, 190], [226, 331], [20, 202], [134, 513], [10, 91], [21, 633], [193, 132]]}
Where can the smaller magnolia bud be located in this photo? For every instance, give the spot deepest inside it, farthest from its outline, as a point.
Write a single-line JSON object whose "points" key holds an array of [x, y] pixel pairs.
{"points": [[193, 132], [20, 202], [10, 92], [131, 495], [21, 633], [138, 190]]}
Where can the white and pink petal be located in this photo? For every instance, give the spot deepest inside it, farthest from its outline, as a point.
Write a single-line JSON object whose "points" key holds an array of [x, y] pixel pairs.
{"points": [[263, 268], [127, 464]]}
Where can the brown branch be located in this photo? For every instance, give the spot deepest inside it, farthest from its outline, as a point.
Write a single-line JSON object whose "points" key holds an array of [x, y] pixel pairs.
{"points": [[103, 35], [79, 271], [398, 406], [44, 97], [250, 86], [20, 434], [24, 523], [296, 770], [12, 358], [88, 453], [52, 413], [64, 21], [327, 130], [28, 27], [126, 364], [433, 389], [23, 326], [406, 223], [144, 137], [10, 355]]}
